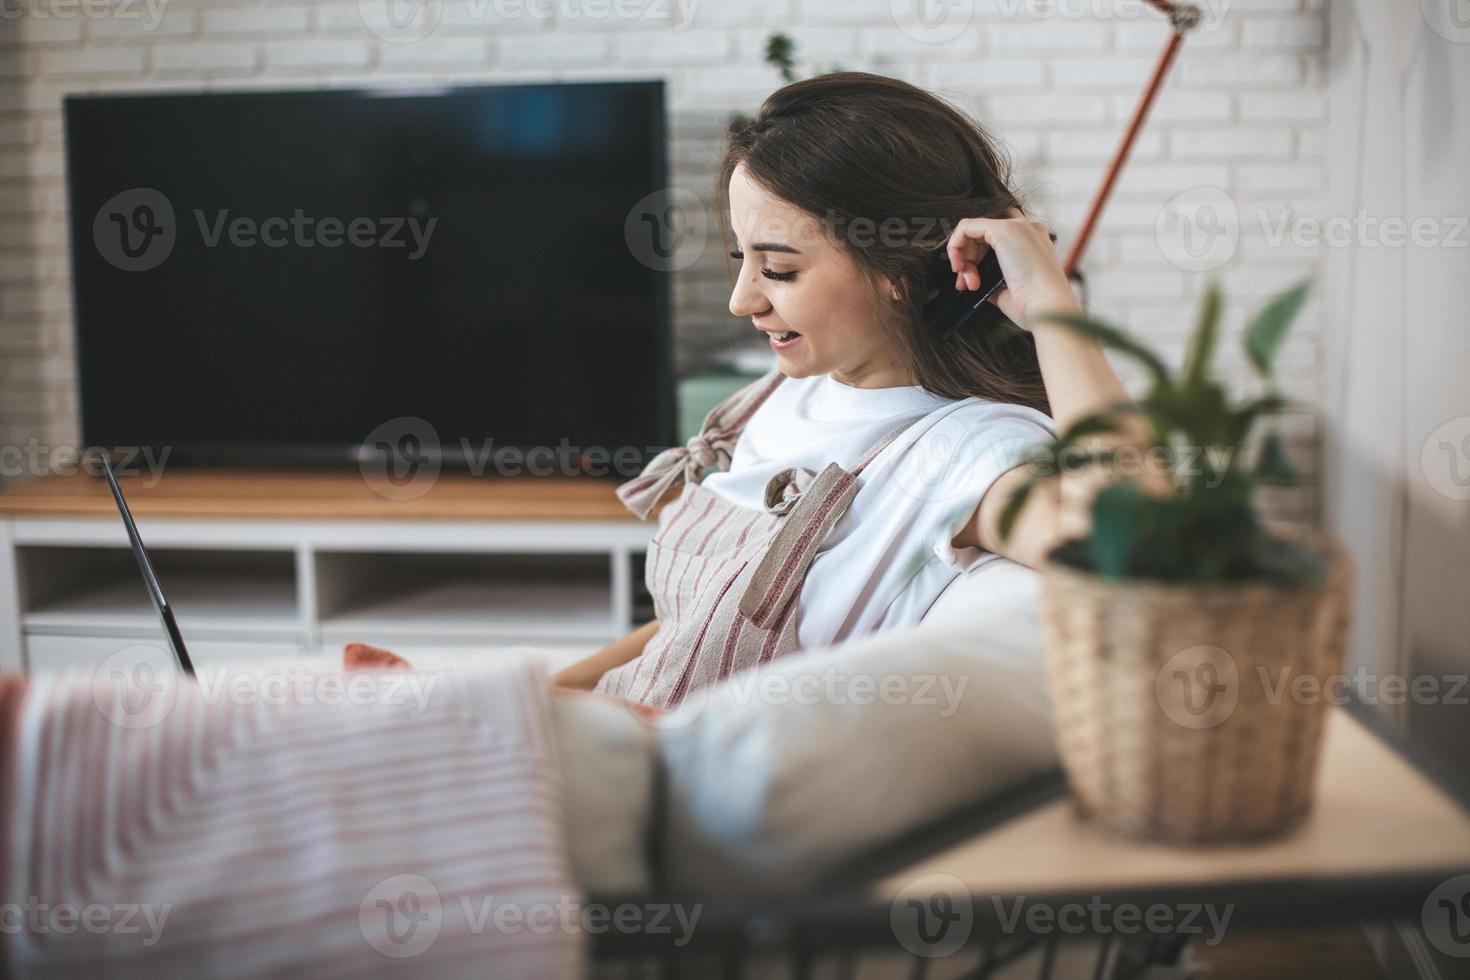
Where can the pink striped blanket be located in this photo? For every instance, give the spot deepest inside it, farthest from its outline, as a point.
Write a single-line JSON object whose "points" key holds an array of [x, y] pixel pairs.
{"points": [[284, 822]]}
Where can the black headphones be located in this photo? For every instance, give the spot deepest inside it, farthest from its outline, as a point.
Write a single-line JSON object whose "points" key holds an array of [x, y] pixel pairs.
{"points": [[946, 308]]}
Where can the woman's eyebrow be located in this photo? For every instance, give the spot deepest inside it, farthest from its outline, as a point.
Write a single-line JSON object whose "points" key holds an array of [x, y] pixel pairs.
{"points": [[774, 247]]}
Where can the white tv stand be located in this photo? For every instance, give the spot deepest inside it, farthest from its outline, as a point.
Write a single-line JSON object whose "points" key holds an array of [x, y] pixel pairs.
{"points": [[260, 565]]}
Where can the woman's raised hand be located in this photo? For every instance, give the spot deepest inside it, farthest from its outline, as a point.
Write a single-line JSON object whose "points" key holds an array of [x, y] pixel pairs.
{"points": [[1035, 280]]}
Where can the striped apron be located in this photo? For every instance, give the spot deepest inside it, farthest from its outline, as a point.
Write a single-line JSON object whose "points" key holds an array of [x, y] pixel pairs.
{"points": [[724, 578]]}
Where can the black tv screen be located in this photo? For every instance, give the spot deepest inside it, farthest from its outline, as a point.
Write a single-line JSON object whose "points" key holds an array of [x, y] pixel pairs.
{"points": [[275, 276]]}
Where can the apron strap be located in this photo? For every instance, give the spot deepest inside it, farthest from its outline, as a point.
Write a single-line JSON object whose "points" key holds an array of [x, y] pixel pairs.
{"points": [[783, 567], [710, 449]]}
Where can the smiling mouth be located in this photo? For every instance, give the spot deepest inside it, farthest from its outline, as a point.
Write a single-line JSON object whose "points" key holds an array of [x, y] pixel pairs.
{"points": [[782, 339]]}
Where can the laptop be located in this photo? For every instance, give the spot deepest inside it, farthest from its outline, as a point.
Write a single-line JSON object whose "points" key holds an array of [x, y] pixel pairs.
{"points": [[155, 591]]}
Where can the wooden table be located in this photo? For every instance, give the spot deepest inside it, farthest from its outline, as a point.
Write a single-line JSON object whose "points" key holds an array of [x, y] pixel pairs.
{"points": [[1388, 838]]}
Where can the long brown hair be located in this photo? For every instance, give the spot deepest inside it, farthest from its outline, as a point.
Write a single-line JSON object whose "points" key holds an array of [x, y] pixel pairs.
{"points": [[858, 150]]}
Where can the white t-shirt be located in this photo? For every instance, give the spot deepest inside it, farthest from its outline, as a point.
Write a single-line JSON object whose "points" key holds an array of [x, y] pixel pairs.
{"points": [[889, 557]]}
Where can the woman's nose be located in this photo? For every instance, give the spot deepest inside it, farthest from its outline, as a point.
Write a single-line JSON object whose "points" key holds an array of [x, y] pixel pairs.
{"points": [[746, 299]]}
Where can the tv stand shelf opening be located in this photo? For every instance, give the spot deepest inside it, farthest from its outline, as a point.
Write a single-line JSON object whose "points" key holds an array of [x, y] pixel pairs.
{"points": [[265, 565]]}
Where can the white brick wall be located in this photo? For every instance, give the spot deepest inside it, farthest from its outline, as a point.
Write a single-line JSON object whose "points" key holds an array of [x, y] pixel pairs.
{"points": [[1244, 112]]}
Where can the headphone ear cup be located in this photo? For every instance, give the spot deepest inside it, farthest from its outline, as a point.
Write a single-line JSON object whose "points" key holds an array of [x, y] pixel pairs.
{"points": [[941, 299]]}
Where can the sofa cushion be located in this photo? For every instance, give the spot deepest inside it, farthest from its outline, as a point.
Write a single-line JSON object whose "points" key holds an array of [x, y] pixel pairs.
{"points": [[781, 775]]}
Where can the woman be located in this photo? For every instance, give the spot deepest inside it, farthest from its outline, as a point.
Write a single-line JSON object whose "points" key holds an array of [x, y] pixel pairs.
{"points": [[843, 492]]}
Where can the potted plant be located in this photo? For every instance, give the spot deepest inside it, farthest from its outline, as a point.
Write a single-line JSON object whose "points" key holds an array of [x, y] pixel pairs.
{"points": [[1177, 627]]}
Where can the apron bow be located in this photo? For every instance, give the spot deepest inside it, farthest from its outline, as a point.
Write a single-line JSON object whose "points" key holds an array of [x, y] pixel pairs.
{"points": [[785, 489], [677, 464]]}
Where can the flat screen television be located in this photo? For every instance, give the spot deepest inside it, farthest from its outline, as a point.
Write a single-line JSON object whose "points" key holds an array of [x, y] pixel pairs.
{"points": [[274, 276]]}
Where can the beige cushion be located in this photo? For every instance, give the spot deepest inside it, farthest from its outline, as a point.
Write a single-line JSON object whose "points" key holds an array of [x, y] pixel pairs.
{"points": [[784, 774], [607, 758]]}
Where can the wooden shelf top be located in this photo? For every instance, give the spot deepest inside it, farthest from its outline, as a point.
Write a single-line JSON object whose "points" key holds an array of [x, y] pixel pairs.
{"points": [[318, 495]]}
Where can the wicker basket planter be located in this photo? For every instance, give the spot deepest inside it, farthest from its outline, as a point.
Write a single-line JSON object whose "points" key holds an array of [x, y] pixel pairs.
{"points": [[1175, 711]]}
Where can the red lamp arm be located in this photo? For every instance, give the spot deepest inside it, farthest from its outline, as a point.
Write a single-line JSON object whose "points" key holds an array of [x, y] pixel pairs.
{"points": [[1182, 18]]}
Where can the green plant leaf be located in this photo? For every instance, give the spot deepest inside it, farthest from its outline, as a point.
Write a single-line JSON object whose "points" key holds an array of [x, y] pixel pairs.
{"points": [[780, 54], [1273, 465], [1013, 507], [1201, 413], [1097, 422], [1116, 517], [1268, 329], [1110, 336], [1202, 349], [1245, 416]]}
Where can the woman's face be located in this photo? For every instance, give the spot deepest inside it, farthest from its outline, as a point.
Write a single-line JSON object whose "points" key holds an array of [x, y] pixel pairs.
{"points": [[805, 292]]}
